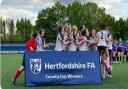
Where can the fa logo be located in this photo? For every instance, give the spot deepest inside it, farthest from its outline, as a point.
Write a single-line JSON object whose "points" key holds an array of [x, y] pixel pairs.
{"points": [[35, 65]]}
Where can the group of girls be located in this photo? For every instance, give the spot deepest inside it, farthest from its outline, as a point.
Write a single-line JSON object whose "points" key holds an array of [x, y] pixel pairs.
{"points": [[69, 38], [35, 43], [120, 51]]}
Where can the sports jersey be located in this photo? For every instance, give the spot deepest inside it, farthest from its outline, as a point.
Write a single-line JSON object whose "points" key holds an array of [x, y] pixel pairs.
{"points": [[72, 45], [59, 42], [83, 46], [31, 43], [39, 43], [102, 36], [114, 46], [126, 46], [120, 44], [109, 43]]}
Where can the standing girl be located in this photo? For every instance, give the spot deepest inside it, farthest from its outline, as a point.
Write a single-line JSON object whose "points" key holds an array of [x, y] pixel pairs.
{"points": [[120, 48], [114, 51], [82, 41], [93, 41], [60, 39]]}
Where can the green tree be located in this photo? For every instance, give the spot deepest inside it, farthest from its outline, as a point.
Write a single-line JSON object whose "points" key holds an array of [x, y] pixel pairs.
{"points": [[88, 14], [11, 31], [24, 28]]}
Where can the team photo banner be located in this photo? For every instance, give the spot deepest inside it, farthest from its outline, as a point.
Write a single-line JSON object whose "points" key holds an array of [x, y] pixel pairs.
{"points": [[54, 68]]}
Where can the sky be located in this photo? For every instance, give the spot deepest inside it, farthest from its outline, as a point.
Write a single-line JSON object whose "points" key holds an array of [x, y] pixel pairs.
{"points": [[17, 9]]}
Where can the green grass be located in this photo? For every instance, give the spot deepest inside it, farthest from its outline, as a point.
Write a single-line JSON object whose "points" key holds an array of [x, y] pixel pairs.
{"points": [[11, 62]]}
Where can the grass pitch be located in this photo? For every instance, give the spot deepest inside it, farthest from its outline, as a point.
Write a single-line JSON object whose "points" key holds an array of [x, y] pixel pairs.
{"points": [[11, 62]]}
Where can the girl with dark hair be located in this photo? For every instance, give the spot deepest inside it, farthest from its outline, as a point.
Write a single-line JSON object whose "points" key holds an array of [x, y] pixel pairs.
{"points": [[109, 43], [120, 47], [102, 39], [31, 45], [82, 41], [93, 41]]}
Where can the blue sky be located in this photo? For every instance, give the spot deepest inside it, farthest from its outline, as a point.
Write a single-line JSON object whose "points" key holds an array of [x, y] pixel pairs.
{"points": [[17, 9]]}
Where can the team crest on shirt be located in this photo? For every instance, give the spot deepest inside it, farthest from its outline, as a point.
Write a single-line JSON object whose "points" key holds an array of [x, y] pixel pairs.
{"points": [[35, 65]]}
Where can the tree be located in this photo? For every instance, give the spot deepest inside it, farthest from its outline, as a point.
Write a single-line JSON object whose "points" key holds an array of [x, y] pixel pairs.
{"points": [[88, 14], [4, 34], [24, 28], [11, 31], [1, 25]]}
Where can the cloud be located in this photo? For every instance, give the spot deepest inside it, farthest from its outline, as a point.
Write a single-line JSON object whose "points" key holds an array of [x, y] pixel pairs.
{"points": [[116, 8], [23, 8], [28, 3], [0, 2], [113, 7], [18, 14], [30, 8]]}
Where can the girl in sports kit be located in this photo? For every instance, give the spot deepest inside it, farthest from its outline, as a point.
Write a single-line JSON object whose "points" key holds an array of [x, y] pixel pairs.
{"points": [[126, 50], [109, 44], [82, 41], [40, 41], [60, 46], [102, 39], [31, 45], [93, 46], [114, 51], [68, 38], [120, 48], [73, 37]]}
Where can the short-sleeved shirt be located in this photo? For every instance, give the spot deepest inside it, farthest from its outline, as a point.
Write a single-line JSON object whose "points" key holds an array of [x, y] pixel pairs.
{"points": [[31, 43], [114, 45], [126, 46], [120, 44], [39, 43], [109, 43], [72, 46], [59, 43], [84, 46], [102, 35]]}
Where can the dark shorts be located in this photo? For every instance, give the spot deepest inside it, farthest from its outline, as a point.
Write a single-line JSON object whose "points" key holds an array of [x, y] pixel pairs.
{"points": [[125, 52], [114, 49], [120, 49], [110, 54], [100, 48], [23, 62]]}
